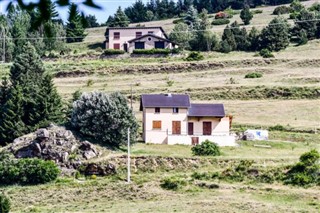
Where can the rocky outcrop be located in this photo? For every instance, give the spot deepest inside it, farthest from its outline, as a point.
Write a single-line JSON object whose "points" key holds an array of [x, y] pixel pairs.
{"points": [[54, 143]]}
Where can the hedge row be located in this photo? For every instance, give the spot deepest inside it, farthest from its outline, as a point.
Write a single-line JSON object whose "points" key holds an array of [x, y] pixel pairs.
{"points": [[27, 171]]}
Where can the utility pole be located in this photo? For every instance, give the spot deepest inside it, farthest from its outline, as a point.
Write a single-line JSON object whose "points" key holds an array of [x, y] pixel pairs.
{"points": [[131, 99], [3, 44], [129, 172]]}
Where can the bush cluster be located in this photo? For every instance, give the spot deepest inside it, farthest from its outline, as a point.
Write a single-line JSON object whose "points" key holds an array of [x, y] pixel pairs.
{"points": [[152, 51], [220, 21], [265, 53], [173, 183], [207, 148], [4, 204], [253, 75], [27, 171], [195, 56], [282, 10], [306, 172], [113, 52]]}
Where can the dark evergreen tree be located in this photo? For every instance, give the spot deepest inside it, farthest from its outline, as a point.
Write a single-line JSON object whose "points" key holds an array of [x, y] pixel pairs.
{"points": [[91, 21], [120, 19], [253, 39], [228, 37], [302, 37], [306, 21], [32, 101], [275, 36], [246, 15], [5, 55], [137, 12], [11, 124], [75, 30], [110, 21]]}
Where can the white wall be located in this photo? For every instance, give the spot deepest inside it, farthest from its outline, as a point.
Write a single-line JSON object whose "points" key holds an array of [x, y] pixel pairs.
{"points": [[149, 44], [128, 34], [219, 126], [166, 116], [186, 140]]}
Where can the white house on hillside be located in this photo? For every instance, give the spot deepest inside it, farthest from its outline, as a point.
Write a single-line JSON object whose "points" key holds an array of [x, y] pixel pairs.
{"points": [[130, 38], [172, 119]]}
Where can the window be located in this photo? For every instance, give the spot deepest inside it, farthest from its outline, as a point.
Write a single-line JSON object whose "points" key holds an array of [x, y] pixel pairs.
{"points": [[116, 46], [116, 35], [157, 110], [150, 32], [138, 34], [159, 45], [175, 110], [156, 124], [138, 45]]}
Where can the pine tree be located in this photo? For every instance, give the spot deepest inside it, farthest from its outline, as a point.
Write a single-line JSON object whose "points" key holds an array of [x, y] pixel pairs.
{"points": [[246, 15], [11, 124], [120, 19], [275, 36], [229, 38], [9, 45], [253, 39], [305, 21], [75, 30], [32, 102], [191, 18]]}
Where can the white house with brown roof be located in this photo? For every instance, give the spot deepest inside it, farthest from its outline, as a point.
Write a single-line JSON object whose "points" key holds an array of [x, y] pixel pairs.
{"points": [[130, 38], [172, 119]]}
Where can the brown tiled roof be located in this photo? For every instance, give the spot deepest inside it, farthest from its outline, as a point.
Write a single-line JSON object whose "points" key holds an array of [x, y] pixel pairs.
{"points": [[164, 100], [206, 110]]}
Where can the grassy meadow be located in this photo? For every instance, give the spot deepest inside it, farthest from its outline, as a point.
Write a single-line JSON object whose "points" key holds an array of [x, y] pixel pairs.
{"points": [[144, 194]]}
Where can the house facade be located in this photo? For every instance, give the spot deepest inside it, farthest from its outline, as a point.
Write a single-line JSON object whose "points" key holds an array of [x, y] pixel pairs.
{"points": [[172, 119], [130, 38]]}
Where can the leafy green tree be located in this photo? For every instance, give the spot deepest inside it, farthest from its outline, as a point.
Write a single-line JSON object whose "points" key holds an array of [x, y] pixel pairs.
{"points": [[104, 118], [306, 21], [296, 6], [149, 15], [246, 15], [54, 34], [75, 30], [120, 19], [204, 39], [181, 35], [275, 36], [225, 47], [9, 45], [302, 37], [20, 25]]}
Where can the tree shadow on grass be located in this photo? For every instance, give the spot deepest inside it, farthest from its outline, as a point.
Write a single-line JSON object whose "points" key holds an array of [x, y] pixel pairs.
{"points": [[96, 45]]}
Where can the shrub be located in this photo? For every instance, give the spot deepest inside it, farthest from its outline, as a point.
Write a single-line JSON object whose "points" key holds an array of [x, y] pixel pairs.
{"points": [[277, 127], [257, 11], [4, 204], [104, 118], [265, 53], [151, 51], [173, 183], [306, 172], [225, 47], [206, 148], [282, 10], [177, 21], [195, 56], [220, 21], [28, 171], [253, 75], [175, 50], [293, 15], [113, 52], [90, 83]]}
